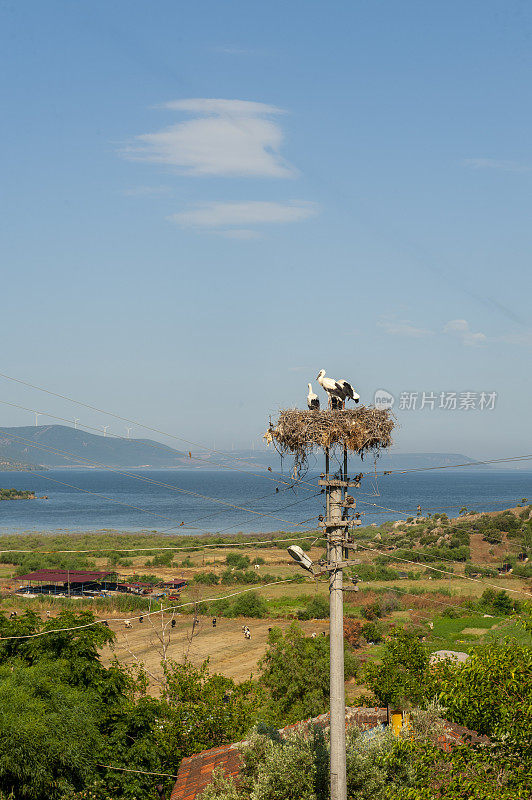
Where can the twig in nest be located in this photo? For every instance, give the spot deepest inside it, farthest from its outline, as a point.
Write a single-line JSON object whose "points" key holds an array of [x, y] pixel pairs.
{"points": [[360, 430]]}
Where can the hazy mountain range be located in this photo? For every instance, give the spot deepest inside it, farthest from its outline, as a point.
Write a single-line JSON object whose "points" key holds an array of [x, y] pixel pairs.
{"points": [[63, 446], [60, 446]]}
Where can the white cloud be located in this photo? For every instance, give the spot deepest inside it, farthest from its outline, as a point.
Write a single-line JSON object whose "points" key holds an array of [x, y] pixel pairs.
{"points": [[403, 328], [239, 215], [493, 163], [226, 138], [206, 105], [460, 328]]}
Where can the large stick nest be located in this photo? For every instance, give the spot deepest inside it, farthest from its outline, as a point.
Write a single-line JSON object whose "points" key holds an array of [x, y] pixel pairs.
{"points": [[361, 430]]}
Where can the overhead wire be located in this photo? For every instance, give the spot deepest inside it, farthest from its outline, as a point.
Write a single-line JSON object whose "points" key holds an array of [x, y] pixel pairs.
{"points": [[138, 771], [457, 466], [444, 571], [144, 614], [142, 478], [193, 457], [123, 419], [227, 455], [177, 526]]}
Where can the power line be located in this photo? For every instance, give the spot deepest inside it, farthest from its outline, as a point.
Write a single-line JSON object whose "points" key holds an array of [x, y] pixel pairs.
{"points": [[180, 525], [244, 461], [444, 571], [123, 419], [139, 771], [161, 446], [144, 614], [174, 547], [142, 478], [456, 466]]}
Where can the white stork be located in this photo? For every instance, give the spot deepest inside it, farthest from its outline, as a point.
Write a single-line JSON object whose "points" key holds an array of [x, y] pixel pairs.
{"points": [[348, 393], [331, 386], [313, 401]]}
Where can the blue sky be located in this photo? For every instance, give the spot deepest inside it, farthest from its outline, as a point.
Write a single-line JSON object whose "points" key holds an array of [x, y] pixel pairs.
{"points": [[206, 203]]}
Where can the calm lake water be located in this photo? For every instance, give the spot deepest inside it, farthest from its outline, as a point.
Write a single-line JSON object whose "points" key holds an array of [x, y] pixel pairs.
{"points": [[90, 500]]}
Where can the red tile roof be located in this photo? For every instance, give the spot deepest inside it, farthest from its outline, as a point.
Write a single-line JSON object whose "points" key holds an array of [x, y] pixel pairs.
{"points": [[63, 576], [195, 772]]}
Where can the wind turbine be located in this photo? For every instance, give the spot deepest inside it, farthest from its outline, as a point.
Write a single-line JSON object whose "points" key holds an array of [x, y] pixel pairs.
{"points": [[105, 427], [76, 423], [37, 415], [129, 432]]}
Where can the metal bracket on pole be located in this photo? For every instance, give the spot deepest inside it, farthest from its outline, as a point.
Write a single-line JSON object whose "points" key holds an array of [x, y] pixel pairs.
{"points": [[337, 565]]}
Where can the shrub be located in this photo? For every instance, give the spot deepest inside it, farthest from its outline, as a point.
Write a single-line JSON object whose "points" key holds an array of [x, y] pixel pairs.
{"points": [[317, 608], [371, 611], [498, 601], [237, 560], [206, 578], [451, 613], [161, 560], [372, 632], [250, 604]]}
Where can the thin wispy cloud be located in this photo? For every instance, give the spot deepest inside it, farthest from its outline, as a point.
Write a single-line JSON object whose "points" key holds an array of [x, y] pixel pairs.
{"points": [[496, 164], [403, 328], [234, 138], [239, 216], [461, 329]]}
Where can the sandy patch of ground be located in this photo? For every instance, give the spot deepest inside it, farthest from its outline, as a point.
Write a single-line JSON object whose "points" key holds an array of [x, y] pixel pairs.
{"points": [[229, 652], [475, 631]]}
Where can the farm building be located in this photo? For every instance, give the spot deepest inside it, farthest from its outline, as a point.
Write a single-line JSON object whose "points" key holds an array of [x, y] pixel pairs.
{"points": [[71, 582], [80, 583]]}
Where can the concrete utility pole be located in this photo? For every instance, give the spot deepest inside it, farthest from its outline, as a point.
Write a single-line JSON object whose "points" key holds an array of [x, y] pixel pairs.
{"points": [[335, 528]]}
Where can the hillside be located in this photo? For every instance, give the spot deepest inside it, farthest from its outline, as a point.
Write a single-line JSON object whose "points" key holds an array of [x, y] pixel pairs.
{"points": [[60, 446]]}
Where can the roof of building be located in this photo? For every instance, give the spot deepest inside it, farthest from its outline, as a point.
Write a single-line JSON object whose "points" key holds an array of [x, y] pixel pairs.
{"points": [[195, 772], [136, 585], [63, 575], [175, 582]]}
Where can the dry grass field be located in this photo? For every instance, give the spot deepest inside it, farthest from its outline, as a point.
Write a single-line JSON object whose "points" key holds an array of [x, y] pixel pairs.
{"points": [[225, 646]]}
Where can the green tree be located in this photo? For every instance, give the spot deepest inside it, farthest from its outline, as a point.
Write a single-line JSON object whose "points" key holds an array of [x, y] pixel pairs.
{"points": [[402, 676], [295, 670], [50, 736], [203, 710], [491, 693], [250, 604]]}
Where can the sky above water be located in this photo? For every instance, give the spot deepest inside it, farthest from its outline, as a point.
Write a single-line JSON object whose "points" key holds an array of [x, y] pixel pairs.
{"points": [[206, 203]]}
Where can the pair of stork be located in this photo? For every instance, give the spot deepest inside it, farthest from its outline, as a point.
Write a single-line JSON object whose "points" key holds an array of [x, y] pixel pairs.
{"points": [[337, 391]]}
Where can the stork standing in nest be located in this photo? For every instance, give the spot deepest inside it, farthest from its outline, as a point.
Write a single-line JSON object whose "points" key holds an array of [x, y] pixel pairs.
{"points": [[313, 401], [338, 391], [332, 387], [348, 392]]}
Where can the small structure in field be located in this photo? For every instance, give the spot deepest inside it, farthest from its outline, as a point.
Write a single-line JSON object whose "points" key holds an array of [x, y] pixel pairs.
{"points": [[359, 430]]}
